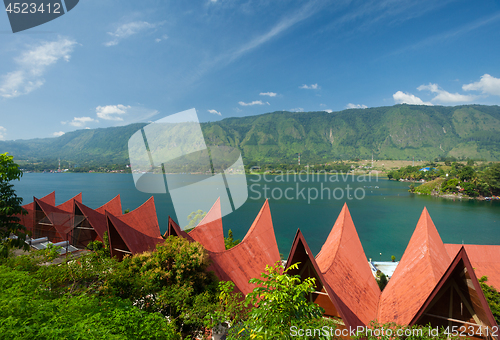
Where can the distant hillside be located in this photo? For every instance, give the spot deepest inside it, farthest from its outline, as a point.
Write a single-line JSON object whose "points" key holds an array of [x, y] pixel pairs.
{"points": [[396, 132]]}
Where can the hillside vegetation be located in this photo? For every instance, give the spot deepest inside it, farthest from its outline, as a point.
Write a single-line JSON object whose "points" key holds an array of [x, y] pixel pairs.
{"points": [[395, 132]]}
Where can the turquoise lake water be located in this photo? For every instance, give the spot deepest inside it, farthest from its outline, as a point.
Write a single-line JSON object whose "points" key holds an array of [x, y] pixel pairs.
{"points": [[384, 212]]}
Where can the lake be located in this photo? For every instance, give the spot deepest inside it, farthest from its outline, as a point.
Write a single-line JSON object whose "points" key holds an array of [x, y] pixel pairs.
{"points": [[384, 212]]}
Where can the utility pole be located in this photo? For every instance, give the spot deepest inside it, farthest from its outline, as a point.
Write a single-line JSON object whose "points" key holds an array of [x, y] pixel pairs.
{"points": [[299, 158]]}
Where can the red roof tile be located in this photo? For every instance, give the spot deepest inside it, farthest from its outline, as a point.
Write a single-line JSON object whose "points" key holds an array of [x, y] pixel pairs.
{"points": [[96, 219], [61, 220], [209, 231], [460, 282], [249, 258], [29, 219], [113, 207], [139, 228], [423, 264], [484, 258], [344, 265], [69, 205]]}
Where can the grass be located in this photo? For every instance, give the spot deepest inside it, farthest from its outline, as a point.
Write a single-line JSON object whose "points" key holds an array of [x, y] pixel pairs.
{"points": [[427, 188]]}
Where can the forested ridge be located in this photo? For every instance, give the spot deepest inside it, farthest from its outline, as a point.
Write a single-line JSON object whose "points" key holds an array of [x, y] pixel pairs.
{"points": [[393, 132]]}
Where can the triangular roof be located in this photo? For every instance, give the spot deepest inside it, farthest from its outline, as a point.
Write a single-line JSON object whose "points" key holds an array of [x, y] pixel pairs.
{"points": [[96, 219], [174, 230], [325, 297], [209, 231], [457, 284], [249, 258], [484, 258], [69, 205], [138, 229], [28, 220], [114, 206], [424, 262], [61, 220], [344, 265]]}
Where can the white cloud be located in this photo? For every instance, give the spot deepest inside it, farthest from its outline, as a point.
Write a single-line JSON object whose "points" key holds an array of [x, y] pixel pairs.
{"points": [[270, 94], [328, 110], [111, 112], [2, 132], [163, 37], [487, 85], [355, 106], [445, 96], [310, 87], [58, 134], [126, 30], [215, 112], [255, 102], [297, 109], [407, 98], [80, 121], [32, 65]]}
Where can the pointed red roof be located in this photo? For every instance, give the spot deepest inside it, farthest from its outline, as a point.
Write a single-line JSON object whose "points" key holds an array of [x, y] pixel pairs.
{"points": [[69, 205], [113, 207], [344, 265], [249, 258], [28, 220], [175, 230], [61, 220], [139, 228], [209, 231], [96, 219], [460, 282], [50, 198], [308, 267], [484, 258], [424, 262]]}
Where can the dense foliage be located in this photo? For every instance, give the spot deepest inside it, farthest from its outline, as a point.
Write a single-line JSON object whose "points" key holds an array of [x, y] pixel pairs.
{"points": [[492, 296], [10, 206]]}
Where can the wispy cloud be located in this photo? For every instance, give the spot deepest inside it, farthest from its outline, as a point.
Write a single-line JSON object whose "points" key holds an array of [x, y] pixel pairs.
{"points": [[80, 121], [270, 94], [443, 96], [255, 102], [297, 109], [407, 98], [215, 112], [2, 132], [487, 85], [355, 106], [328, 110], [448, 35], [58, 134], [32, 64], [310, 87], [163, 37], [111, 112], [132, 28]]}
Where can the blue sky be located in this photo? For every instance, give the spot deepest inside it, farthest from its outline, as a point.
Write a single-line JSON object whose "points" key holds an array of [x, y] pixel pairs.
{"points": [[108, 63]]}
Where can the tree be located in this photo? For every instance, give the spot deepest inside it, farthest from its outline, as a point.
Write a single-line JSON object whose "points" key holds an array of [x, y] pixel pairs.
{"points": [[492, 296], [280, 302], [229, 241], [10, 207], [194, 218]]}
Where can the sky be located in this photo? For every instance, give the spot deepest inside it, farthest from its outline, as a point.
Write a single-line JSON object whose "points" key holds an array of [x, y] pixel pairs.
{"points": [[109, 63]]}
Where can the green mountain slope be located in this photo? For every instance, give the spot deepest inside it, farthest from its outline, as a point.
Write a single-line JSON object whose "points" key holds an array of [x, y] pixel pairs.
{"points": [[395, 132]]}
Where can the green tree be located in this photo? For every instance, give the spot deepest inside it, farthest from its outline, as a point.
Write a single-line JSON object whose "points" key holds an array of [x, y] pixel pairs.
{"points": [[194, 218], [229, 241], [492, 296], [280, 302], [381, 280], [10, 207]]}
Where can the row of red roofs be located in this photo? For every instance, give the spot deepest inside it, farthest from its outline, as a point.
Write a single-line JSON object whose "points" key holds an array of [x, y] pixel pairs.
{"points": [[433, 283]]}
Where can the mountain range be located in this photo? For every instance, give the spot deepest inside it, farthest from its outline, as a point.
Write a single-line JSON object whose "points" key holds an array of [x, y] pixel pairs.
{"points": [[393, 132]]}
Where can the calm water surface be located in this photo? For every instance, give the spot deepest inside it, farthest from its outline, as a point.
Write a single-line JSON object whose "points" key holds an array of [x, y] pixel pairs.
{"points": [[384, 213]]}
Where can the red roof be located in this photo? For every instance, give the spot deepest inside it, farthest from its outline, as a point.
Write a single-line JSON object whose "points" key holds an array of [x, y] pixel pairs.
{"points": [[460, 283], [344, 265], [308, 267], [484, 258], [29, 219], [69, 205], [423, 264], [61, 220], [209, 231], [138, 229], [96, 219], [113, 207], [249, 258]]}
